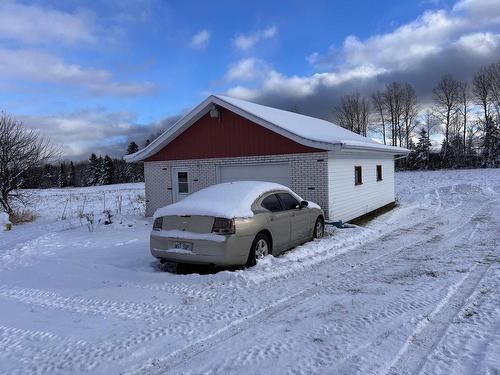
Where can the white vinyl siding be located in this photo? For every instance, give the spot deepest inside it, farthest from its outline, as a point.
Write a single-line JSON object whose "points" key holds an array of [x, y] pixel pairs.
{"points": [[347, 200]]}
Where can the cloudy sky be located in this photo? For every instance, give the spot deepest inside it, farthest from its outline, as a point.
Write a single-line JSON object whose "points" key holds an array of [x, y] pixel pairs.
{"points": [[93, 75]]}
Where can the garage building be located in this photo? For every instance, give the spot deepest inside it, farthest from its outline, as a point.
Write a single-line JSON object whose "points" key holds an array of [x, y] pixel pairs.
{"points": [[226, 139]]}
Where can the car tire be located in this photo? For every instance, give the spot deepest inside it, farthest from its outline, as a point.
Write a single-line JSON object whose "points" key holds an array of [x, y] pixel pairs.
{"points": [[319, 228], [261, 247]]}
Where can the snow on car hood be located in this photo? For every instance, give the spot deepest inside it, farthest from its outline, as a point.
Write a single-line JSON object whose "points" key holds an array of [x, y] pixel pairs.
{"points": [[229, 200]]}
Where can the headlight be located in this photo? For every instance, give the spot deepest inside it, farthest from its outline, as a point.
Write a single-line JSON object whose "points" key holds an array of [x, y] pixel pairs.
{"points": [[223, 226], [158, 224]]}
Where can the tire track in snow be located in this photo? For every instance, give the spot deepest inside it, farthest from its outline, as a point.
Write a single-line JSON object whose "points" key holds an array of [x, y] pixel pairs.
{"points": [[187, 291], [36, 351], [472, 343], [356, 326], [432, 329], [411, 302], [128, 310], [179, 356], [423, 338]]}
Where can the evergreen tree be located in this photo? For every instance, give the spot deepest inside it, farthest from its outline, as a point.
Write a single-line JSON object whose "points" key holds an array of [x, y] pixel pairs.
{"points": [[490, 156], [93, 171], [456, 151], [72, 175], [132, 148], [445, 146], [48, 176], [100, 170], [423, 149], [108, 171], [62, 180]]}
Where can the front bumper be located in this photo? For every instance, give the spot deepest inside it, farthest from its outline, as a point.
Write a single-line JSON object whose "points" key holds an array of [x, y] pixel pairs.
{"points": [[231, 252]]}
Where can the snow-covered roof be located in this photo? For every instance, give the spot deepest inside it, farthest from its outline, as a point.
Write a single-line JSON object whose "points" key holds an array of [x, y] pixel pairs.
{"points": [[306, 130], [229, 200]]}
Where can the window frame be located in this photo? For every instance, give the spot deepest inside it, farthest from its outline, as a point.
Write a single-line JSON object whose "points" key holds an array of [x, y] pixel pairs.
{"points": [[356, 168], [379, 172]]}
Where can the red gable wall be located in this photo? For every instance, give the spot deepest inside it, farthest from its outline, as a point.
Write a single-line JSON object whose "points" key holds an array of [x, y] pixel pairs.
{"points": [[230, 135]]}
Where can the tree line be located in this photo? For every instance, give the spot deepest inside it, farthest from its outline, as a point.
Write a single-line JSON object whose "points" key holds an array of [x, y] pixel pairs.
{"points": [[464, 115], [97, 170]]}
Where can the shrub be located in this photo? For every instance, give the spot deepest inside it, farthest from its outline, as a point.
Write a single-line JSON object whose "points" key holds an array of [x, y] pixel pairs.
{"points": [[22, 216]]}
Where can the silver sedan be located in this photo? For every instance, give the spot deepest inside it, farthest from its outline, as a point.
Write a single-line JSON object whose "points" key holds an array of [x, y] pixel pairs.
{"points": [[279, 220]]}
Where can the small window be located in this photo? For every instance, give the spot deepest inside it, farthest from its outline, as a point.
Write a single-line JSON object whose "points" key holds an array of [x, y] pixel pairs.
{"points": [[182, 182], [271, 203], [288, 201], [358, 175], [379, 173]]}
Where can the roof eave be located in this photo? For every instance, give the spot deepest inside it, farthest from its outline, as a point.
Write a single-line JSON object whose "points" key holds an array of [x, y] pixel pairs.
{"points": [[377, 148]]}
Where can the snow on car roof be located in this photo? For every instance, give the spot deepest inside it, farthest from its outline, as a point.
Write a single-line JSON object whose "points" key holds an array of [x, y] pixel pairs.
{"points": [[229, 200]]}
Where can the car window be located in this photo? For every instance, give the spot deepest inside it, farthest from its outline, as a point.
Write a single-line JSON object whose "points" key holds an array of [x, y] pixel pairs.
{"points": [[289, 201], [271, 203]]}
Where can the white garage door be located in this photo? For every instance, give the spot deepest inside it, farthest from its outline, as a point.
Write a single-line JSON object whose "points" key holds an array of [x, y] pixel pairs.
{"points": [[257, 172]]}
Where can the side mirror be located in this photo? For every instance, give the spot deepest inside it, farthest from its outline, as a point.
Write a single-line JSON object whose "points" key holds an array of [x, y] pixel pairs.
{"points": [[304, 204]]}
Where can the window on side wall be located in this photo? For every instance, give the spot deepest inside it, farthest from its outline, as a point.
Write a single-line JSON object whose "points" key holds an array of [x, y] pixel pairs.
{"points": [[379, 173], [358, 175]]}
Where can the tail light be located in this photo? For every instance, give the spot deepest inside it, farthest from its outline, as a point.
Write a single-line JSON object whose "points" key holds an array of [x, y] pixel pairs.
{"points": [[223, 226], [158, 223]]}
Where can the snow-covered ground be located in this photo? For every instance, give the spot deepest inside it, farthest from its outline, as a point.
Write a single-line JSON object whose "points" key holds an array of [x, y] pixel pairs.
{"points": [[415, 291]]}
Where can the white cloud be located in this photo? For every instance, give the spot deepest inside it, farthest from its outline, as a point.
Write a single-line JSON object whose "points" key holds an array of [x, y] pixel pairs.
{"points": [[42, 67], [201, 39], [122, 89], [484, 11], [83, 132], [303, 86], [34, 24], [455, 41], [479, 43], [247, 41], [247, 70], [94, 130]]}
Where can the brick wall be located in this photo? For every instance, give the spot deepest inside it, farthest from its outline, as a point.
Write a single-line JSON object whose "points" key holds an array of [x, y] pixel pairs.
{"points": [[308, 175]]}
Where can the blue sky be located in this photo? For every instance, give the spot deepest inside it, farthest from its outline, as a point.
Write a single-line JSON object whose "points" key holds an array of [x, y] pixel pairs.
{"points": [[93, 75]]}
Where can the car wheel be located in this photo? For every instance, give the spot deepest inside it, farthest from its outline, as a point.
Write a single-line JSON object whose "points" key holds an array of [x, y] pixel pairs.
{"points": [[319, 228], [261, 247]]}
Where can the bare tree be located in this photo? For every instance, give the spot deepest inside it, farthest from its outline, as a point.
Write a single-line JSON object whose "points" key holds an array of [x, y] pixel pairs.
{"points": [[430, 122], [21, 149], [353, 113], [379, 107], [482, 90], [393, 105], [446, 99], [464, 94], [495, 87], [410, 111]]}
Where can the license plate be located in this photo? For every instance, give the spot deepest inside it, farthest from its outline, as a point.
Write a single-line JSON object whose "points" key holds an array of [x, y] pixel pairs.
{"points": [[183, 245]]}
